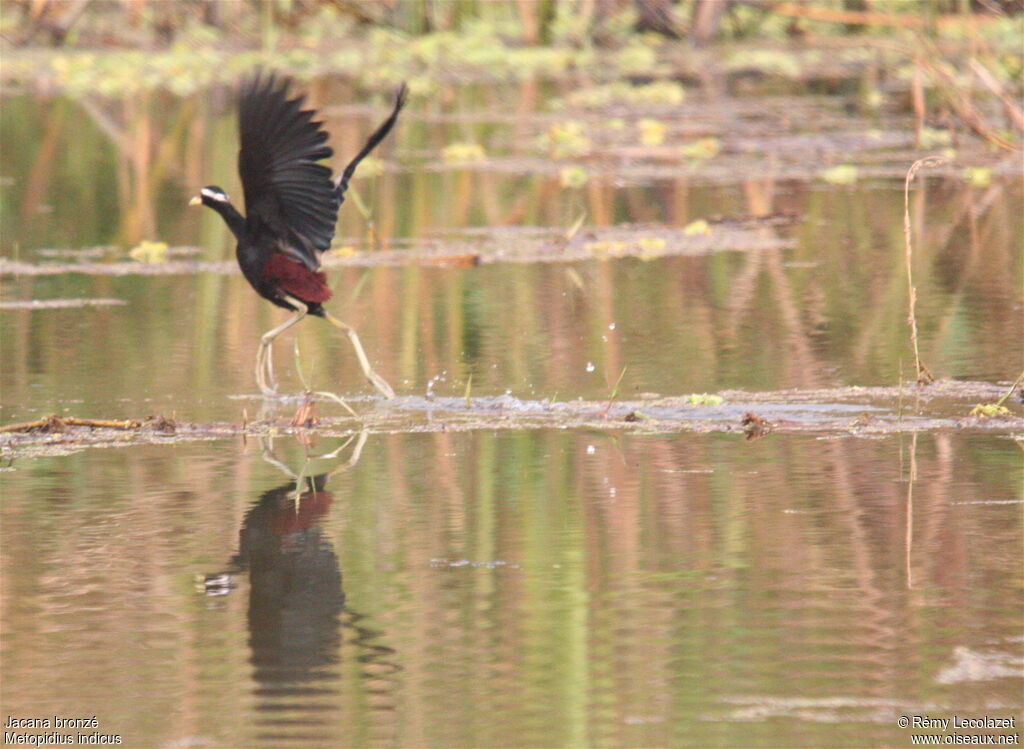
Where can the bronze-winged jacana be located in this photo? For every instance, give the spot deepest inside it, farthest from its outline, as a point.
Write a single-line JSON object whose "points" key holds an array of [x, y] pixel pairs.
{"points": [[291, 207]]}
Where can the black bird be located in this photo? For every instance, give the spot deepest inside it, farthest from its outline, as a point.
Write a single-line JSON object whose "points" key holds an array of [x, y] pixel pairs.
{"points": [[291, 206]]}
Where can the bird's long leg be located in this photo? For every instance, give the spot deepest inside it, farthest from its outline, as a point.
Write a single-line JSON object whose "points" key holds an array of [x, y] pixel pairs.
{"points": [[267, 453], [264, 358], [377, 381]]}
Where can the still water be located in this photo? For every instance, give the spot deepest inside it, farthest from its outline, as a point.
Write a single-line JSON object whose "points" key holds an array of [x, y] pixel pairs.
{"points": [[532, 589], [519, 587], [828, 308]]}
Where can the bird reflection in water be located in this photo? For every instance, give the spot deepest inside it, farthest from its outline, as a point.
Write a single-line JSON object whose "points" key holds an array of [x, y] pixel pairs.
{"points": [[297, 607]]}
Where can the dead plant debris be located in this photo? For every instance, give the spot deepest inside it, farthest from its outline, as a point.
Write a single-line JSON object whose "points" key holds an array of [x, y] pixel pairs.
{"points": [[54, 424], [754, 426], [847, 411], [305, 416]]}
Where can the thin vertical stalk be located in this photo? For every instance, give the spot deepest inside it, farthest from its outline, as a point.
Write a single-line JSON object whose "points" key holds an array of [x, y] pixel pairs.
{"points": [[923, 375]]}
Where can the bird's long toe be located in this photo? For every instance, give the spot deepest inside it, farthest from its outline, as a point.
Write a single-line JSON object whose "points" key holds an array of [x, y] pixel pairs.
{"points": [[382, 386]]}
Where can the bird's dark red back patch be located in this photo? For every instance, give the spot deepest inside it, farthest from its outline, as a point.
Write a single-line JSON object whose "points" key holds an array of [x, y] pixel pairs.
{"points": [[296, 279], [312, 507]]}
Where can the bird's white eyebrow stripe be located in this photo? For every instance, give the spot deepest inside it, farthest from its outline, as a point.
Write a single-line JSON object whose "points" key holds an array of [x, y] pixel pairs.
{"points": [[212, 194]]}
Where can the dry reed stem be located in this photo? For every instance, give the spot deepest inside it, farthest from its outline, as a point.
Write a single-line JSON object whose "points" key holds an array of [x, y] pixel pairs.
{"points": [[923, 375], [1008, 393], [57, 423], [337, 399], [1013, 112], [960, 101], [917, 99], [615, 391]]}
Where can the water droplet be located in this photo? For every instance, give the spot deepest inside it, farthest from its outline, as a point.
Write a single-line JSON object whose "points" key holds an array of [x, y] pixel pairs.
{"points": [[611, 326], [590, 366], [591, 450]]}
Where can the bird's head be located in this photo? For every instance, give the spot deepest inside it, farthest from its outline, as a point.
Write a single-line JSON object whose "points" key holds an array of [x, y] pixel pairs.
{"points": [[211, 196]]}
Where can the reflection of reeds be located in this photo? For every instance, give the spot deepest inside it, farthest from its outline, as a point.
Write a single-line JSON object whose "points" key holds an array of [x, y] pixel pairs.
{"points": [[41, 171], [843, 316], [710, 564]]}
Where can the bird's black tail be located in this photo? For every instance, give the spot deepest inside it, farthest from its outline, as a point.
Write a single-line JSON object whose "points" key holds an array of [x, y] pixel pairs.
{"points": [[341, 185]]}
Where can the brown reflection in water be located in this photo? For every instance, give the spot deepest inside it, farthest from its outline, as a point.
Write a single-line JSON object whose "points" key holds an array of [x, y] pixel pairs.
{"points": [[803, 369], [42, 167], [130, 127]]}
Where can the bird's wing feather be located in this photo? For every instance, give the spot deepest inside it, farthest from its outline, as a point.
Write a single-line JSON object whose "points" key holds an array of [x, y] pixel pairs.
{"points": [[341, 184], [287, 193]]}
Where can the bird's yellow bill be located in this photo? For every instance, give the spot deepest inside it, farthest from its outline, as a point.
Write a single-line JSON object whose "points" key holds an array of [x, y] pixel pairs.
{"points": [[195, 201]]}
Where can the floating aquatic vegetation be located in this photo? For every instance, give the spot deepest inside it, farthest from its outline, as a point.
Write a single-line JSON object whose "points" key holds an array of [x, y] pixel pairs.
{"points": [[566, 139], [149, 252], [978, 176], [872, 98], [638, 58], [704, 399], [463, 153], [614, 247], [997, 410], [652, 132], [621, 92], [651, 244], [573, 177], [989, 411], [841, 174], [643, 247], [931, 138], [702, 148], [775, 61]]}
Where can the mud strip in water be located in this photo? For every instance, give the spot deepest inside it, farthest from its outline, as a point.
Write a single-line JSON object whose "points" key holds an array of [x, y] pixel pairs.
{"points": [[502, 245], [829, 413], [61, 303], [647, 165]]}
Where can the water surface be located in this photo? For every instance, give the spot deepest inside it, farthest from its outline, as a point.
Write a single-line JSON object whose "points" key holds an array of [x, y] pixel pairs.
{"points": [[537, 588], [829, 310], [534, 587]]}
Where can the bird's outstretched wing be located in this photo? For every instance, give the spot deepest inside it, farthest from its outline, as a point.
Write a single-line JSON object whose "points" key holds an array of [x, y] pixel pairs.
{"points": [[341, 185], [287, 193]]}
